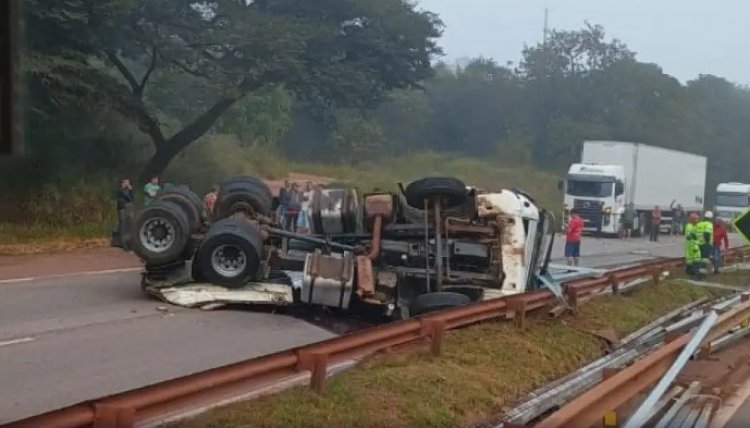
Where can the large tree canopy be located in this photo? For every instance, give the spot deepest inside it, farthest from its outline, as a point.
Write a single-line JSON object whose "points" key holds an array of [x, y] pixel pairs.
{"points": [[330, 53], [127, 84]]}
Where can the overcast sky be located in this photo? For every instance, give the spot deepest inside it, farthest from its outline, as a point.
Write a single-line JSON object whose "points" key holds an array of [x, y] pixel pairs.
{"points": [[686, 38]]}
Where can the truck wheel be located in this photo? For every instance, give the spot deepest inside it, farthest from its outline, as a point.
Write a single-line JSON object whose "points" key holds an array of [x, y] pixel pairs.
{"points": [[451, 190], [231, 252], [255, 181], [435, 301], [242, 196], [160, 233], [187, 200]]}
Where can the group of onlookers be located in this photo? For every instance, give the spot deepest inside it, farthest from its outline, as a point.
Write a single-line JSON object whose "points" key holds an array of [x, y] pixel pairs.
{"points": [[705, 238], [294, 207], [293, 211], [125, 198]]}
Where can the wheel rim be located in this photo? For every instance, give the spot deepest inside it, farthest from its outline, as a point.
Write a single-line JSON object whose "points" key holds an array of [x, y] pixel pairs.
{"points": [[157, 234], [228, 260]]}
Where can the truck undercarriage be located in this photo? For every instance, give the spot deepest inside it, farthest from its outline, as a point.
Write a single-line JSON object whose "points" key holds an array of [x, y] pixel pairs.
{"points": [[435, 244]]}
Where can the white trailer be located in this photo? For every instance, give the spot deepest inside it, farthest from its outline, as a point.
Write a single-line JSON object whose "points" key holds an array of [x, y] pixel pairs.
{"points": [[613, 174]]}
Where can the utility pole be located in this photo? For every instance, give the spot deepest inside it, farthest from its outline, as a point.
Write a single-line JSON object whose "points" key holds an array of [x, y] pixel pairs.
{"points": [[544, 31]]}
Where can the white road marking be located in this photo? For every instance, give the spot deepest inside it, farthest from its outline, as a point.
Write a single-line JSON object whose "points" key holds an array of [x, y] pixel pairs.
{"points": [[69, 275], [17, 341]]}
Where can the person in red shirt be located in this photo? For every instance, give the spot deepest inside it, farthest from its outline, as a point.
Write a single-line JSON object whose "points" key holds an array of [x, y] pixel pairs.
{"points": [[573, 238], [655, 222], [720, 237], [210, 199]]}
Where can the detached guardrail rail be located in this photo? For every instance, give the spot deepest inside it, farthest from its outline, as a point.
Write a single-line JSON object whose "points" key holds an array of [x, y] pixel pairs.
{"points": [[125, 409], [622, 385]]}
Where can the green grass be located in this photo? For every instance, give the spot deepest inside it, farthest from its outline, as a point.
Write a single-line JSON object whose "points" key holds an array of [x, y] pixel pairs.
{"points": [[482, 372]]}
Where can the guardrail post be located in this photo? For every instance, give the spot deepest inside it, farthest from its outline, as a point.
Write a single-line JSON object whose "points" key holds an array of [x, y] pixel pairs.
{"points": [[319, 372], [113, 416], [317, 364], [519, 316], [615, 282], [436, 330], [572, 294], [656, 274]]}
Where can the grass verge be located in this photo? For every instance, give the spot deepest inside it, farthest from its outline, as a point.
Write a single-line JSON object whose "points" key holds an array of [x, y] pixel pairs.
{"points": [[484, 369], [64, 217], [35, 239]]}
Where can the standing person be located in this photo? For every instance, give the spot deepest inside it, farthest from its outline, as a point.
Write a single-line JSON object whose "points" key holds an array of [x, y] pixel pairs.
{"points": [[678, 218], [628, 219], [283, 203], [292, 209], [573, 238], [693, 259], [720, 237], [151, 189], [303, 219], [210, 199], [125, 200], [705, 231], [655, 222]]}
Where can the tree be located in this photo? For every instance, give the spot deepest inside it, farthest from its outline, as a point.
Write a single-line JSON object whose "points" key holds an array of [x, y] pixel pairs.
{"points": [[356, 139], [331, 53], [573, 53]]}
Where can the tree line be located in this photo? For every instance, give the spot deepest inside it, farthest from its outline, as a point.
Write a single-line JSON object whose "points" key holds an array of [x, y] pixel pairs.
{"points": [[127, 85]]}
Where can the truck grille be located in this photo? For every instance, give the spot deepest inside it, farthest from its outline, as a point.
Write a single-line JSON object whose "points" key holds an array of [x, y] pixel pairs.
{"points": [[590, 211]]}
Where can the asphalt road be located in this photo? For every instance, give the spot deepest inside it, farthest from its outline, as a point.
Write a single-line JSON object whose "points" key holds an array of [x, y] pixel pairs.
{"points": [[70, 338]]}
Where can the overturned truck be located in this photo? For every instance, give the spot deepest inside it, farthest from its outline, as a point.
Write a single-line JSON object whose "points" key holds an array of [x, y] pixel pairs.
{"points": [[434, 244]]}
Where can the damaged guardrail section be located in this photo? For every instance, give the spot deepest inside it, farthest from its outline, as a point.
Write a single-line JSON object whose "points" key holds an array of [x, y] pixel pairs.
{"points": [[125, 409], [605, 386]]}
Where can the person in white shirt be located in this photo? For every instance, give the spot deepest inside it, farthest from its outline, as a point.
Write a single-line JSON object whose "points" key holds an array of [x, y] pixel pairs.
{"points": [[303, 219]]}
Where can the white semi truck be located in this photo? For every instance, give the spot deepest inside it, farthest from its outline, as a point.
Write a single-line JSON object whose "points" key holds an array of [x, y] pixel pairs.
{"points": [[732, 199], [612, 174]]}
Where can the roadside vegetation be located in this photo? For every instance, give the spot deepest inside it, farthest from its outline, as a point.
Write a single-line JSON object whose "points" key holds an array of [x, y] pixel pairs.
{"points": [[482, 372], [139, 94], [82, 214]]}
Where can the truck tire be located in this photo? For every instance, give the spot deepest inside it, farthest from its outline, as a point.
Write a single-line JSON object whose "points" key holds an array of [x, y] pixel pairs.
{"points": [[452, 191], [230, 254], [242, 196], [190, 202], [436, 301], [255, 181], [160, 233]]}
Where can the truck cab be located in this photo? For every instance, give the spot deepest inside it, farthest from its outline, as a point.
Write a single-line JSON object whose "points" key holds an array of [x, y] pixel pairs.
{"points": [[597, 192], [732, 199]]}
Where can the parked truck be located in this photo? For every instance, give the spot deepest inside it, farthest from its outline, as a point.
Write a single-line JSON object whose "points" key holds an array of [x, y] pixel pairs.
{"points": [[613, 174], [732, 199]]}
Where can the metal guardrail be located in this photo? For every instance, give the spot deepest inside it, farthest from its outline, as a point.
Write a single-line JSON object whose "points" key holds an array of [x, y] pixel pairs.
{"points": [[125, 409], [623, 385]]}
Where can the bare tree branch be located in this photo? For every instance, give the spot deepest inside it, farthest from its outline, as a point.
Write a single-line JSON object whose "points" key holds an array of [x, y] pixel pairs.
{"points": [[123, 69], [151, 68]]}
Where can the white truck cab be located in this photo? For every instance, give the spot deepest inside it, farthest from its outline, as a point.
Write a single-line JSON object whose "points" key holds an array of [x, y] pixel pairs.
{"points": [[732, 199], [596, 191]]}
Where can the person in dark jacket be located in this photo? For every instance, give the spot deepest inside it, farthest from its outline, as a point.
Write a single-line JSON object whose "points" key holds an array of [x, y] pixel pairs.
{"points": [[125, 200]]}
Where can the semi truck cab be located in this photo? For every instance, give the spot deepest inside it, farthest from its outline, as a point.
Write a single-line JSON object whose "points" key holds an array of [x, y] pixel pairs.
{"points": [[597, 192], [732, 199]]}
